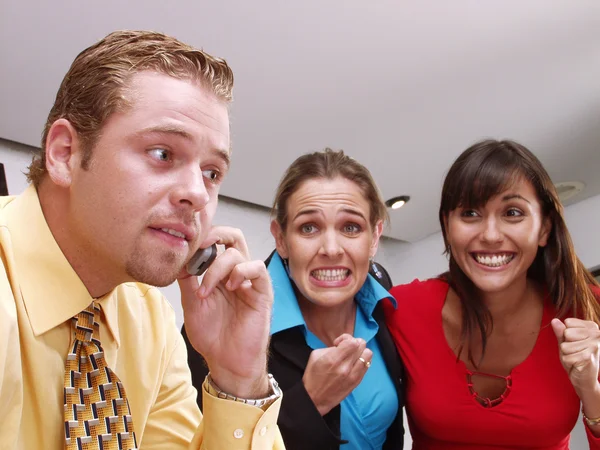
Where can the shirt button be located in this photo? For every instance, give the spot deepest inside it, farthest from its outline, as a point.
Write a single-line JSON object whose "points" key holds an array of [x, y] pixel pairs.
{"points": [[263, 431], [238, 434]]}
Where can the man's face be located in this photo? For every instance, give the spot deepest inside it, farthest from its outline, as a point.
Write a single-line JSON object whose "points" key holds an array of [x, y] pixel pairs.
{"points": [[148, 198]]}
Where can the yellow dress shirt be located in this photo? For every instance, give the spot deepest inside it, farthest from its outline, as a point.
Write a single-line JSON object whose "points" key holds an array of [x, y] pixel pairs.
{"points": [[40, 292]]}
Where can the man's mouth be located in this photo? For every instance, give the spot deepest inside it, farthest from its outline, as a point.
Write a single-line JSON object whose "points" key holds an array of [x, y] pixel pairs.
{"points": [[176, 229], [173, 232]]}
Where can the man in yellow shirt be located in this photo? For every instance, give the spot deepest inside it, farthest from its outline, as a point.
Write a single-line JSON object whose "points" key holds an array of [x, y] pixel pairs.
{"points": [[123, 194]]}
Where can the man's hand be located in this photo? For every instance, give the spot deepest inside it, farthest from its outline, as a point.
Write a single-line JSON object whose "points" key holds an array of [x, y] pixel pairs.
{"points": [[332, 373], [227, 317], [579, 345]]}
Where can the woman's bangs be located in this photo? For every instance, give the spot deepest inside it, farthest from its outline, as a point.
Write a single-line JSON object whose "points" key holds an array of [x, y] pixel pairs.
{"points": [[477, 184]]}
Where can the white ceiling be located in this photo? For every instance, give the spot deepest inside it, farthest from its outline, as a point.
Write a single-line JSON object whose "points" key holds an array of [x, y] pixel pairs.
{"points": [[402, 86]]}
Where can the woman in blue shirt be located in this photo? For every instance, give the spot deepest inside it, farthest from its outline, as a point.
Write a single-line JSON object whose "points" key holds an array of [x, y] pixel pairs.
{"points": [[330, 349]]}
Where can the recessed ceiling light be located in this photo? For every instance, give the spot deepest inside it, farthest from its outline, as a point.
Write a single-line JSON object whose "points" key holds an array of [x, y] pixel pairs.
{"points": [[397, 202], [568, 189]]}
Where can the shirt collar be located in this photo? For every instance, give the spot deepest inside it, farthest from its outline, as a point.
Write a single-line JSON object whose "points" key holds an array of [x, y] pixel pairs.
{"points": [[52, 291], [286, 311], [370, 294]]}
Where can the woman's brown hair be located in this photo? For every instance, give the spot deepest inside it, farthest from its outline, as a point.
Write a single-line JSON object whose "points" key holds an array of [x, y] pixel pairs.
{"points": [[481, 172], [327, 165]]}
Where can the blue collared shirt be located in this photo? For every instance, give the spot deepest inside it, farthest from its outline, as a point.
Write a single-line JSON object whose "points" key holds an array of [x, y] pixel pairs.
{"points": [[370, 409]]}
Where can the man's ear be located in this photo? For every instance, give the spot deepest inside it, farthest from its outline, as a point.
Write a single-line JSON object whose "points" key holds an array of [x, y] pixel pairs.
{"points": [[280, 242], [545, 232], [377, 231], [63, 152]]}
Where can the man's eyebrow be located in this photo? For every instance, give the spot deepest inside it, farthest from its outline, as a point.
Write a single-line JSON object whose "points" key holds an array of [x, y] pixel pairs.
{"points": [[224, 156], [178, 131], [166, 129]]}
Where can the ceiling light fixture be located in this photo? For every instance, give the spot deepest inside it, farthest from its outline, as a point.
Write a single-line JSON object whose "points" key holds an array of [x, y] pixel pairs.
{"points": [[569, 189], [397, 202]]}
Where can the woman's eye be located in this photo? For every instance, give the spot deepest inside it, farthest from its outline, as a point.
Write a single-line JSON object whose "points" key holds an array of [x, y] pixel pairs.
{"points": [[308, 229], [469, 213], [351, 228], [160, 154], [513, 212]]}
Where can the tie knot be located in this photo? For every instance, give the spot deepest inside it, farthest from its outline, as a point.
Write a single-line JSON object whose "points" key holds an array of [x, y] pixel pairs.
{"points": [[86, 324]]}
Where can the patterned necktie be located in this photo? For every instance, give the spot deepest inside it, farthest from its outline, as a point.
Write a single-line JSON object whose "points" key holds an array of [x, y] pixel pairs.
{"points": [[97, 415]]}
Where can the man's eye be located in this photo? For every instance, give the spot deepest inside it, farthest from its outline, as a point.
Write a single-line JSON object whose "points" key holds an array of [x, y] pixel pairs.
{"points": [[160, 154], [213, 175]]}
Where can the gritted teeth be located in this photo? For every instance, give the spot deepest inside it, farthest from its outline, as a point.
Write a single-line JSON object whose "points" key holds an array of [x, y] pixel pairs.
{"points": [[493, 260], [173, 233], [330, 274]]}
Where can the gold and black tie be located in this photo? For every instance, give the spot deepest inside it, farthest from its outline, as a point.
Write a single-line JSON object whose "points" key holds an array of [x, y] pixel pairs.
{"points": [[97, 415]]}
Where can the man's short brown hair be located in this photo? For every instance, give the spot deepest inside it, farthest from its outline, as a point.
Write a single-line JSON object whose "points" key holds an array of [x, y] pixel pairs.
{"points": [[94, 86]]}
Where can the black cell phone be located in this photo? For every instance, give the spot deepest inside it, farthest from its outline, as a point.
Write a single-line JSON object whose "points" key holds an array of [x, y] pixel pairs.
{"points": [[201, 260]]}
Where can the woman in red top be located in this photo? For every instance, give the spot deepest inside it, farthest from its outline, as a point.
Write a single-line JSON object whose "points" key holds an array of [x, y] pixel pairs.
{"points": [[495, 357]]}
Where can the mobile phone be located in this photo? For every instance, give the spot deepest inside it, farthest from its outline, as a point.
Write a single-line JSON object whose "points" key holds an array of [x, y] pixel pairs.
{"points": [[201, 260]]}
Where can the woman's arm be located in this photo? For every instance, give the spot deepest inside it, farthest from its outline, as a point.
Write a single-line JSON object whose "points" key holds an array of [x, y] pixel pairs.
{"points": [[579, 348]]}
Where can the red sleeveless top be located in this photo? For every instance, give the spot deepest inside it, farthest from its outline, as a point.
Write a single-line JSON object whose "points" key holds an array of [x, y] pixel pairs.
{"points": [[539, 409]]}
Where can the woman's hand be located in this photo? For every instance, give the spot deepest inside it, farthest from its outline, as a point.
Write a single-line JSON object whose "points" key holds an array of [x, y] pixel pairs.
{"points": [[579, 346], [332, 373]]}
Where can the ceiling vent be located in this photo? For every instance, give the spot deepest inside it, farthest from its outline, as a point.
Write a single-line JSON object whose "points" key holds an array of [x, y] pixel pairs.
{"points": [[569, 189]]}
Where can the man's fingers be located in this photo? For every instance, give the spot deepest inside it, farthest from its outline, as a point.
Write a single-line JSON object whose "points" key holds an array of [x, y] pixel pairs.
{"points": [[229, 237], [220, 270], [249, 274], [188, 286], [559, 330]]}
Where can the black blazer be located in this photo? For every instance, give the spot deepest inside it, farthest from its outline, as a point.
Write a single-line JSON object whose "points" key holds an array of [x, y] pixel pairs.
{"points": [[301, 424]]}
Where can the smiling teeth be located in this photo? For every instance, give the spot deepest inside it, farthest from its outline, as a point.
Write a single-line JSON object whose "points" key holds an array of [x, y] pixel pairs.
{"points": [[173, 233], [494, 261], [330, 275]]}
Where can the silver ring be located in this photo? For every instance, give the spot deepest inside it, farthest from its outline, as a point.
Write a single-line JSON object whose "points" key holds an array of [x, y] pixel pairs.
{"points": [[366, 363]]}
